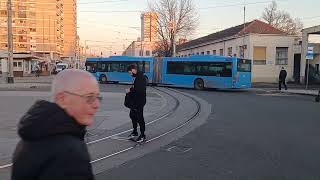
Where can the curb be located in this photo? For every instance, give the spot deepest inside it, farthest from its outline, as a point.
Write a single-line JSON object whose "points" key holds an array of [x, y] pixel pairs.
{"points": [[24, 86]]}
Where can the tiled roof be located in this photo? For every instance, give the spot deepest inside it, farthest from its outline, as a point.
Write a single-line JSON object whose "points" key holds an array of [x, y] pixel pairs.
{"points": [[256, 26]]}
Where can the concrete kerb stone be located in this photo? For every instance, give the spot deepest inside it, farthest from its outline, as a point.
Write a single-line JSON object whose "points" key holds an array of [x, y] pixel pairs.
{"points": [[301, 92], [24, 86]]}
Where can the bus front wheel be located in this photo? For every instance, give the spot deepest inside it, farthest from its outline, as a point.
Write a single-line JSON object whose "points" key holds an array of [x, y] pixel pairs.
{"points": [[199, 84], [103, 79]]}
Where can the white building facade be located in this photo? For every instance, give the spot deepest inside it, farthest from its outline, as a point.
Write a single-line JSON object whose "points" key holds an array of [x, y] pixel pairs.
{"points": [[268, 48], [139, 48]]}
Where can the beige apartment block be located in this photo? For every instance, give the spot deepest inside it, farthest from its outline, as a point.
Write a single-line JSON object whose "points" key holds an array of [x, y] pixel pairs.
{"points": [[43, 30], [36, 26], [149, 27], [70, 29]]}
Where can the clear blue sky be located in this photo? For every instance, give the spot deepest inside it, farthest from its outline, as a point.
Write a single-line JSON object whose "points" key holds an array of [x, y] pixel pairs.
{"points": [[117, 22]]}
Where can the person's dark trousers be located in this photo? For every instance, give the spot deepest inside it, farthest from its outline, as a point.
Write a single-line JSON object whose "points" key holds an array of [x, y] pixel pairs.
{"points": [[284, 84], [136, 116]]}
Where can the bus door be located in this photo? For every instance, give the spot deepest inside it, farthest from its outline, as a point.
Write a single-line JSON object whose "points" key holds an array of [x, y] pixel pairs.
{"points": [[242, 76]]}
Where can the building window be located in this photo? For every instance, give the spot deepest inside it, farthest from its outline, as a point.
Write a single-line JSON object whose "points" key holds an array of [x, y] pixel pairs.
{"points": [[259, 55], [147, 53], [3, 13], [15, 64], [281, 56], [202, 53], [26, 65], [214, 52], [230, 51], [197, 53], [221, 52], [242, 50], [208, 52]]}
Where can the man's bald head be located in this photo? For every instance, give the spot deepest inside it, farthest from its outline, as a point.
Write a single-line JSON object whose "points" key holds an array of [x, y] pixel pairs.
{"points": [[77, 92], [71, 80]]}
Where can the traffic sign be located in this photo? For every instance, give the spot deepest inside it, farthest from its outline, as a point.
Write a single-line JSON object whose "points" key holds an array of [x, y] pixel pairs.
{"points": [[310, 53]]}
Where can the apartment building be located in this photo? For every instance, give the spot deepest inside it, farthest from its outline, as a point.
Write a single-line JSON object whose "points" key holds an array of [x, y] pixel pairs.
{"points": [[44, 29], [149, 26], [70, 30], [145, 45], [36, 26]]}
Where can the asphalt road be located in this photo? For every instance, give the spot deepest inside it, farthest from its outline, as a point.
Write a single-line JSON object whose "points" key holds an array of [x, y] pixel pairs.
{"points": [[249, 135]]}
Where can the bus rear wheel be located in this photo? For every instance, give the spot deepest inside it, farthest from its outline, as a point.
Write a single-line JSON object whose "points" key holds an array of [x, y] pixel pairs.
{"points": [[199, 84], [103, 79]]}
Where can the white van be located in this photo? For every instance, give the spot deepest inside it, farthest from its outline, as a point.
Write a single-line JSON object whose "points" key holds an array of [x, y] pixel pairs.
{"points": [[61, 66]]}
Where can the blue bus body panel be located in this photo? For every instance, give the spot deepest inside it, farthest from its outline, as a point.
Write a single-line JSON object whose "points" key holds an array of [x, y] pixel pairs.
{"points": [[188, 80], [122, 77], [244, 80]]}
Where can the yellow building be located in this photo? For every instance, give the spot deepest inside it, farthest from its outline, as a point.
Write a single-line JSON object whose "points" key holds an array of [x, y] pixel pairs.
{"points": [[149, 27], [37, 26], [70, 30], [41, 26], [45, 29]]}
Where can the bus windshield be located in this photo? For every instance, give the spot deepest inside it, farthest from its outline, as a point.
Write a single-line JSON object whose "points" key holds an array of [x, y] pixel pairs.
{"points": [[244, 65], [91, 67]]}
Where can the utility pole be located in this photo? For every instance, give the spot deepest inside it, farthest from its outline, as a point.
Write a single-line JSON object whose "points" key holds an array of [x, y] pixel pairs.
{"points": [[50, 38], [10, 44], [244, 29], [174, 36], [43, 53], [85, 50]]}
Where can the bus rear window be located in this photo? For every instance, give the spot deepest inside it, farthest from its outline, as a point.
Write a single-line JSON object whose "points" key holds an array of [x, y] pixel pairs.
{"points": [[244, 65]]}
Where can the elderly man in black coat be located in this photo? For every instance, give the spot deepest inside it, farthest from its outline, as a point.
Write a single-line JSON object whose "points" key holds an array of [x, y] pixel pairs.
{"points": [[52, 143]]}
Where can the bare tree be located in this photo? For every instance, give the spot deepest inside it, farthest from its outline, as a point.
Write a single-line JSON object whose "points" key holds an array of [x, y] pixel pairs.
{"points": [[281, 20], [175, 19]]}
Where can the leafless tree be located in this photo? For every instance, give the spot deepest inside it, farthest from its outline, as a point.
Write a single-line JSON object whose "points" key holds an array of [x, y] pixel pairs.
{"points": [[281, 20], [175, 19]]}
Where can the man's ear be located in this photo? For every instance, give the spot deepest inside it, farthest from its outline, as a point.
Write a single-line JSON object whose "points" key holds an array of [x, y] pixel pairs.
{"points": [[60, 99]]}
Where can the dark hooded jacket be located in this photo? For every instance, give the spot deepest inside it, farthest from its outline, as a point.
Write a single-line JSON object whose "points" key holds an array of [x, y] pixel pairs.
{"points": [[138, 91], [52, 146], [282, 75]]}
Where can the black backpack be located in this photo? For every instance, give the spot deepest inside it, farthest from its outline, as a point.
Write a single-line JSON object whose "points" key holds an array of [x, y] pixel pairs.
{"points": [[129, 101]]}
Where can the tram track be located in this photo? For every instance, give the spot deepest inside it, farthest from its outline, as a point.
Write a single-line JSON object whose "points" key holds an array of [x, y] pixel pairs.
{"points": [[131, 147], [172, 111]]}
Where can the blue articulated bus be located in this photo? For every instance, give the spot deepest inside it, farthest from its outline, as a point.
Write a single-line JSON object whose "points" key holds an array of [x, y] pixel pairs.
{"points": [[197, 72], [206, 72], [114, 68]]}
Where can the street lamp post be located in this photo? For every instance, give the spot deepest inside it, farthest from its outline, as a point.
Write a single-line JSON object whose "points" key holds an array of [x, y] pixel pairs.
{"points": [[10, 44]]}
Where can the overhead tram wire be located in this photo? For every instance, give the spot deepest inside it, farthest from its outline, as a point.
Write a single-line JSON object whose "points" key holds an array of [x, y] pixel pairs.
{"points": [[238, 4]]}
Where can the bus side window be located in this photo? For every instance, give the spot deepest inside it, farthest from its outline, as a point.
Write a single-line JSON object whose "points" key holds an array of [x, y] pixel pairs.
{"points": [[147, 67], [228, 70], [115, 67], [123, 67]]}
